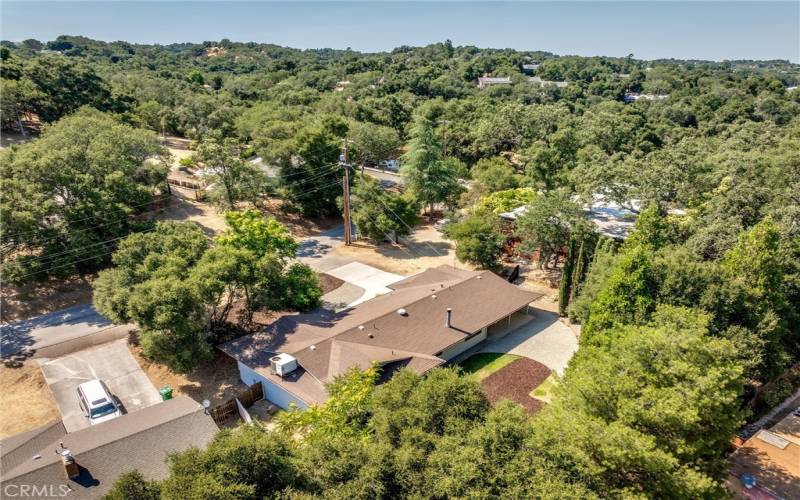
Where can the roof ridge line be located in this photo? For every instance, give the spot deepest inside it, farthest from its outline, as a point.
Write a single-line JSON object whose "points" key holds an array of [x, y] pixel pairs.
{"points": [[107, 443]]}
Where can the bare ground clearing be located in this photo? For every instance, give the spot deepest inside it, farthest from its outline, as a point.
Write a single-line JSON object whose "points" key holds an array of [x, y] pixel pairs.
{"points": [[217, 380], [37, 298], [424, 248], [26, 402]]}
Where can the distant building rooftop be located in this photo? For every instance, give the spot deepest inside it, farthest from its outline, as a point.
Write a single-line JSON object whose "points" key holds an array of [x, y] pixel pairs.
{"points": [[536, 79], [772, 457], [633, 97], [609, 218], [487, 81]]}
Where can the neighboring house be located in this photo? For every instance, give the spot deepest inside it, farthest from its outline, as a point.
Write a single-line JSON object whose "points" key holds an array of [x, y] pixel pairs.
{"points": [[608, 217], [340, 86], [85, 464], [488, 81], [530, 68], [538, 80], [630, 97], [426, 320], [772, 458]]}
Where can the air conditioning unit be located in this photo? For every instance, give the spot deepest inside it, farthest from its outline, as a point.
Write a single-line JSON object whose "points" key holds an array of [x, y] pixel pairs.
{"points": [[282, 364]]}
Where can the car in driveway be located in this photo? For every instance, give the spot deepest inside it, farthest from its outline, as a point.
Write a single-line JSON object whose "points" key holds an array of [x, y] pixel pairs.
{"points": [[97, 403]]}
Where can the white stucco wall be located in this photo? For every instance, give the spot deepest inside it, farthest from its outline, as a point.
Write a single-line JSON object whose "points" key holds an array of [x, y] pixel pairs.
{"points": [[458, 348], [272, 391]]}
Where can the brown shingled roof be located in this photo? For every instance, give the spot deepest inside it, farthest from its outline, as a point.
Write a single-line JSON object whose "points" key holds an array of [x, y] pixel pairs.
{"points": [[326, 345]]}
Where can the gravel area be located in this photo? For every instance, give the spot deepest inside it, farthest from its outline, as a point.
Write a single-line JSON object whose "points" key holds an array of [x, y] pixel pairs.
{"points": [[515, 381]]}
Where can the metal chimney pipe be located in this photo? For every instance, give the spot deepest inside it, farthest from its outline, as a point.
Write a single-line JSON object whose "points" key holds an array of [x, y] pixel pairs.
{"points": [[448, 318]]}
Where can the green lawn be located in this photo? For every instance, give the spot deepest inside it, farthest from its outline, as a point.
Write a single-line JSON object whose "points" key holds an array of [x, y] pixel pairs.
{"points": [[545, 391], [484, 364]]}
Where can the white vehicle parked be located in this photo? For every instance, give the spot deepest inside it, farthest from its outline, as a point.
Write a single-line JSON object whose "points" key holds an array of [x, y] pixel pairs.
{"points": [[391, 165], [97, 402]]}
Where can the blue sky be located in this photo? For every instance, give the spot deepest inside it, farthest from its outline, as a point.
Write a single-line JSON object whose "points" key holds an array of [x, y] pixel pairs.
{"points": [[698, 30]]}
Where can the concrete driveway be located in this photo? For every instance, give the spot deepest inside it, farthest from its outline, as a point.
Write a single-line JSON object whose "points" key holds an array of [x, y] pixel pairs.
{"points": [[544, 339], [371, 279], [59, 332], [113, 364]]}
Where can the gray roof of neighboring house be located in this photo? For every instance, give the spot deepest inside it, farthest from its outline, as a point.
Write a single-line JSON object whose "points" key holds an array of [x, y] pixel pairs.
{"points": [[18, 448], [609, 218], [328, 344], [140, 440]]}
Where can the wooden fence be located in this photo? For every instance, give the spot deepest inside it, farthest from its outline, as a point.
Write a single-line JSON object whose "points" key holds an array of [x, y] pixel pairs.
{"points": [[186, 184], [247, 397]]}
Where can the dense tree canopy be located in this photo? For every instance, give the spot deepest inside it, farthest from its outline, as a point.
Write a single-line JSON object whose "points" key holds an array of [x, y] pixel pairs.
{"points": [[69, 195]]}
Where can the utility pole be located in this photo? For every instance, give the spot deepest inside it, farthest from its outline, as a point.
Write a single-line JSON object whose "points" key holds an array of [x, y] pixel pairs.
{"points": [[346, 203]]}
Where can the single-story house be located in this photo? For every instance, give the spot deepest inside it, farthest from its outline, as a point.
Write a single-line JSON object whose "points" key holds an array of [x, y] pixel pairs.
{"points": [[530, 68], [424, 321], [488, 81], [48, 462], [630, 97], [609, 218], [538, 80]]}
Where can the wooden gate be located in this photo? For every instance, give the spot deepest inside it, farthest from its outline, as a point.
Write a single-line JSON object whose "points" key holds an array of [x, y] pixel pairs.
{"points": [[247, 397]]}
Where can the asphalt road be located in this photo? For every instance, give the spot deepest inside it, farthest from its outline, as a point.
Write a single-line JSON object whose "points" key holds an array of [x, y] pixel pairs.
{"points": [[387, 179], [113, 364], [49, 334]]}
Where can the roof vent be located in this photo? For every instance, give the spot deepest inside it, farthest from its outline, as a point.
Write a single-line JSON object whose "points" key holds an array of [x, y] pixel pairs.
{"points": [[402, 312], [360, 327], [433, 296], [479, 276], [312, 347], [371, 335]]}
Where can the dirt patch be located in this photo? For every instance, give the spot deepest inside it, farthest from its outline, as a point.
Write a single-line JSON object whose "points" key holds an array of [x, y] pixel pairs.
{"points": [[218, 381], [515, 381], [297, 224], [329, 283], [35, 299], [183, 207], [423, 249], [26, 401]]}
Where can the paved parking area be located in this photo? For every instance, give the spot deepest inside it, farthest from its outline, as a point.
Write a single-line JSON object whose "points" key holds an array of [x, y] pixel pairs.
{"points": [[544, 339], [113, 364], [371, 279]]}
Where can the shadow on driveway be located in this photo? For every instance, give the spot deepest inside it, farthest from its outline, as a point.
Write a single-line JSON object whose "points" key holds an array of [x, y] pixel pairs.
{"points": [[52, 328]]}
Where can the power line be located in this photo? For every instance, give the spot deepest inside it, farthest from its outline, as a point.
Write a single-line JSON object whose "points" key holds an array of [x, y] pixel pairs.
{"points": [[155, 200], [409, 227], [48, 269]]}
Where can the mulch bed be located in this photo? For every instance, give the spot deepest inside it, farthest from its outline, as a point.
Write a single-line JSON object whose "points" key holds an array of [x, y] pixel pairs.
{"points": [[515, 381], [328, 283]]}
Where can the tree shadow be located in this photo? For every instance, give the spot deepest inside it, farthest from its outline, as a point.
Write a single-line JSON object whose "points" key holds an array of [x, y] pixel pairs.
{"points": [[20, 336], [409, 250]]}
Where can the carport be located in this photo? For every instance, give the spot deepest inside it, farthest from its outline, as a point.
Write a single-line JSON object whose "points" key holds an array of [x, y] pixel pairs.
{"points": [[113, 364], [509, 323]]}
